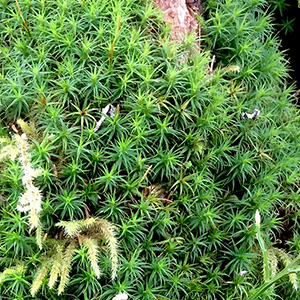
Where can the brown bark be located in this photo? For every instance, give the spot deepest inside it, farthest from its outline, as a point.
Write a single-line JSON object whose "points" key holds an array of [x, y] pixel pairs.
{"points": [[180, 14]]}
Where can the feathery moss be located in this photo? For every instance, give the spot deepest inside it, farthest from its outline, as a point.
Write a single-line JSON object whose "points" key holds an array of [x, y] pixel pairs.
{"points": [[173, 165]]}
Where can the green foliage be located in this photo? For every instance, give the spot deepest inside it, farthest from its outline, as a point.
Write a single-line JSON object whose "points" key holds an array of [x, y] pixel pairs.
{"points": [[281, 7], [175, 167]]}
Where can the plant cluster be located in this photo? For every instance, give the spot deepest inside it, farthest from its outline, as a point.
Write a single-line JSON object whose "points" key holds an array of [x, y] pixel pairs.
{"points": [[59, 256], [281, 8], [172, 165]]}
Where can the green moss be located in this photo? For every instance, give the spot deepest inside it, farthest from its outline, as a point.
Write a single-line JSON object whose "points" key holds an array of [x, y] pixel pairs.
{"points": [[175, 167]]}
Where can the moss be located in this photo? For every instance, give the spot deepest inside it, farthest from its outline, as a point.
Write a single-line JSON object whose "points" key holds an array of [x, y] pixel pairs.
{"points": [[176, 126]]}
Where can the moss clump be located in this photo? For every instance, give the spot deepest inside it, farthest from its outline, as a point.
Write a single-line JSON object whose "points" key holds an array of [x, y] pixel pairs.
{"points": [[173, 165]]}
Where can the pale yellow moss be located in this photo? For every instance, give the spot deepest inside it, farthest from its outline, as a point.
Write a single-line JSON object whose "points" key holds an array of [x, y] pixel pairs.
{"points": [[233, 68], [31, 200], [39, 235], [273, 262], [286, 259], [56, 267], [26, 128], [38, 280], [10, 151], [93, 250], [94, 230], [108, 230], [66, 267], [74, 227]]}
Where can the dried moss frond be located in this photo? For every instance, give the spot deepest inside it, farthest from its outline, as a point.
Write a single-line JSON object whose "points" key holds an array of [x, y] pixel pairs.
{"points": [[273, 262], [66, 267], [227, 69], [92, 231], [74, 227], [56, 267], [286, 259], [9, 151], [40, 275], [27, 128], [283, 256], [93, 250], [108, 231], [294, 280], [31, 200], [39, 235]]}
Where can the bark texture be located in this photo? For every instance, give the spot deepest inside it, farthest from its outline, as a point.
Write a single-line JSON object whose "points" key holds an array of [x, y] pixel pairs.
{"points": [[181, 15]]}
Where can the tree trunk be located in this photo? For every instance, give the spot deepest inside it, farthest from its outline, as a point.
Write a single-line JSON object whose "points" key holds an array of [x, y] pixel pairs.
{"points": [[180, 14]]}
